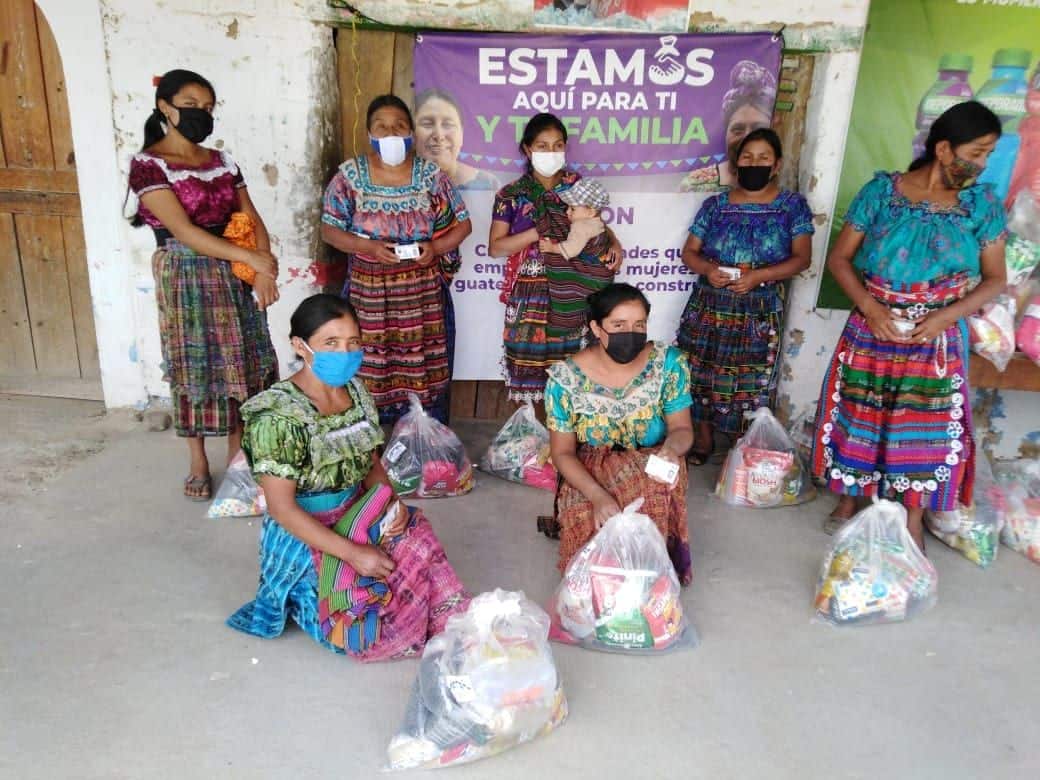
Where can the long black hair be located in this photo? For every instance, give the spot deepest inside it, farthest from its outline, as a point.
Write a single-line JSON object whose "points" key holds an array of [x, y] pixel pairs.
{"points": [[959, 124], [315, 311], [382, 101], [603, 302], [536, 125], [169, 85]]}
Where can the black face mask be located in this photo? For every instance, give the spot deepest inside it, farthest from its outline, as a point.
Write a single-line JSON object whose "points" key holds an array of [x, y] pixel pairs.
{"points": [[625, 346], [195, 124], [754, 177]]}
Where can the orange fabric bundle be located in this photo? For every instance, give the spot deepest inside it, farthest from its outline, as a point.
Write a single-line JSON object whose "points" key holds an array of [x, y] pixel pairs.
{"points": [[241, 231]]}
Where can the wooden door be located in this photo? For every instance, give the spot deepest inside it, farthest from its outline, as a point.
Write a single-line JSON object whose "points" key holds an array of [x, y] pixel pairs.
{"points": [[47, 341]]}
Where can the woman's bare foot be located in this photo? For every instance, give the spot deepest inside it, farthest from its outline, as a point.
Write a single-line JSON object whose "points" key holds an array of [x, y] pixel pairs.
{"points": [[198, 486], [842, 513]]}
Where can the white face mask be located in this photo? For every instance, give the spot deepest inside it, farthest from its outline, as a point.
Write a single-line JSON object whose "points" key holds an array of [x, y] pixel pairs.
{"points": [[548, 163], [392, 149]]}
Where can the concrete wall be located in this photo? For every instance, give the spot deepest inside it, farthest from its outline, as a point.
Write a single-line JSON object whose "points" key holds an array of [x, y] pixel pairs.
{"points": [[272, 62]]}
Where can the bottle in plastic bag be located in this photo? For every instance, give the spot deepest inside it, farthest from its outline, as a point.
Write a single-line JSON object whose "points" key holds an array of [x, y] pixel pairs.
{"points": [[974, 530], [238, 495], [486, 684], [764, 468], [620, 593], [425, 457], [520, 451], [874, 572]]}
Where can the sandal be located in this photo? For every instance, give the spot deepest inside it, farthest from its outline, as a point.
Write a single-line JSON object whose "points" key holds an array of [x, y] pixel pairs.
{"points": [[548, 525], [198, 488], [696, 458]]}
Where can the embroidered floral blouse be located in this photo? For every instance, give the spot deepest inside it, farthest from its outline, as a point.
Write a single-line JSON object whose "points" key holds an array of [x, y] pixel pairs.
{"points": [[207, 193], [285, 436], [908, 242], [406, 214], [629, 417]]}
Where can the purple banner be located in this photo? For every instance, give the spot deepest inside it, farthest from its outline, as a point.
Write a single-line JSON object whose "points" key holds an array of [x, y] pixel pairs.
{"points": [[633, 105]]}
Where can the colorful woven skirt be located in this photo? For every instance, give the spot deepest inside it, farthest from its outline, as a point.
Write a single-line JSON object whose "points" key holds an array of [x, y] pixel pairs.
{"points": [[216, 348], [622, 473], [733, 342], [894, 418], [402, 317], [524, 338], [425, 591]]}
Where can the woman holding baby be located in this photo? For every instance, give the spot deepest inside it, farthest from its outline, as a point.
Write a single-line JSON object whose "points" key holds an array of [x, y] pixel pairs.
{"points": [[559, 251]]}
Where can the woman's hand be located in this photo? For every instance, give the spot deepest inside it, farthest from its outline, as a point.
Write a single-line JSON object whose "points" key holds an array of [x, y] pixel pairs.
{"points": [[381, 252], [747, 282], [548, 245], [263, 262], [931, 327], [604, 509], [266, 290], [426, 254], [716, 278], [369, 561], [880, 321], [400, 522]]}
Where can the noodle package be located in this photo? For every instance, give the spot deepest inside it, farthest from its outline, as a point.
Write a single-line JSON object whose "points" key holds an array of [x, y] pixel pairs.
{"points": [[238, 495], [974, 531]]}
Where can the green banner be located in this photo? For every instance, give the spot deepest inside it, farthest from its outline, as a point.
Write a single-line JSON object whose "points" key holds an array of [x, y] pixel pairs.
{"points": [[919, 58]]}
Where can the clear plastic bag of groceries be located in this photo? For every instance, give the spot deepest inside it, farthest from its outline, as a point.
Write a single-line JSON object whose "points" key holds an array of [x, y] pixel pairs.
{"points": [[620, 594], [992, 331], [1018, 485], [486, 684], [238, 494], [1022, 254], [974, 531], [520, 451], [424, 457], [874, 572], [764, 468]]}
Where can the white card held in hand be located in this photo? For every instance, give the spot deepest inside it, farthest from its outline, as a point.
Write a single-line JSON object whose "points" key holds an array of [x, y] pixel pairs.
{"points": [[407, 251], [662, 469], [730, 271]]}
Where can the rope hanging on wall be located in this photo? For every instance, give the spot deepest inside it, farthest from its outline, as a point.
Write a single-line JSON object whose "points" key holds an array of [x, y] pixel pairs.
{"points": [[357, 79]]}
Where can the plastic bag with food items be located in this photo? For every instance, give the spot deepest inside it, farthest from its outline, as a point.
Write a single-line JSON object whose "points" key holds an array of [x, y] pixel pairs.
{"points": [[620, 593], [238, 494], [973, 530], [520, 451], [874, 572], [486, 684], [1019, 484], [992, 331], [425, 457], [764, 468]]}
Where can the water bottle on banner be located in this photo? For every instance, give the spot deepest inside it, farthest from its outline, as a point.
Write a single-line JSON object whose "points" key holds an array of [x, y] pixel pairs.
{"points": [[1005, 95], [950, 88], [1027, 165]]}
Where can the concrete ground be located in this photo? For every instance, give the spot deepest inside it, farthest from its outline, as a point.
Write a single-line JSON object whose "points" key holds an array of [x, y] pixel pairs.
{"points": [[115, 661]]}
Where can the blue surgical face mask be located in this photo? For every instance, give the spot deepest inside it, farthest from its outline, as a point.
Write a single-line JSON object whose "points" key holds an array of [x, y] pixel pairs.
{"points": [[335, 368], [392, 149]]}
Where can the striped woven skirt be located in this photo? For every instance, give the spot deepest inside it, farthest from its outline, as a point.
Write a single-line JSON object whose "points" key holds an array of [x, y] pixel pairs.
{"points": [[216, 348], [424, 588], [622, 473], [732, 342], [401, 310], [524, 338], [894, 418]]}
